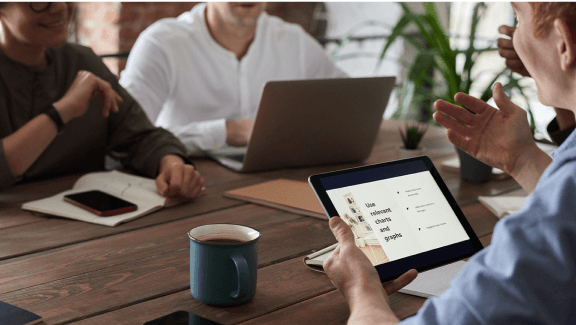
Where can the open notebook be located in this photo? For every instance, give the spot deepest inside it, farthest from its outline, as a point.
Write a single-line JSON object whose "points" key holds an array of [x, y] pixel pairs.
{"points": [[135, 189]]}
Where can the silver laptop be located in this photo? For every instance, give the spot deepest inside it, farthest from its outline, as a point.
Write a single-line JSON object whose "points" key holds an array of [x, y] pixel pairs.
{"points": [[312, 122]]}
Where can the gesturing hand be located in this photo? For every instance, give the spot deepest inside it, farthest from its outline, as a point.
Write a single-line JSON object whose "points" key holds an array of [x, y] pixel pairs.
{"points": [[353, 273], [498, 138], [85, 86], [507, 51]]}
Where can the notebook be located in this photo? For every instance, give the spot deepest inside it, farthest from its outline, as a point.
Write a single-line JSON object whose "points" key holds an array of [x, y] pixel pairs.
{"points": [[135, 189], [502, 206], [284, 194], [312, 122]]}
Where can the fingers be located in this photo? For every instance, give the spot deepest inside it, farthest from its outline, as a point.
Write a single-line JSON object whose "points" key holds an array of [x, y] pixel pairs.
{"points": [[341, 231], [180, 180], [472, 103], [451, 124], [456, 112], [162, 184], [506, 30], [401, 282], [459, 141], [509, 54], [502, 101], [504, 43], [110, 97]]}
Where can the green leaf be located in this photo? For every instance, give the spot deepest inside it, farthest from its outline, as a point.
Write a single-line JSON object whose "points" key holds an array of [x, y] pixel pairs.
{"points": [[469, 61], [397, 31]]}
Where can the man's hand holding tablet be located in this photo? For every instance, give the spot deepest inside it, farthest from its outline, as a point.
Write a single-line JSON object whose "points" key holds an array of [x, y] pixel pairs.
{"points": [[400, 214], [349, 269]]}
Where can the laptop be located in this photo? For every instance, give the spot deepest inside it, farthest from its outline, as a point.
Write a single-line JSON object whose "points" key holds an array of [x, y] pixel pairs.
{"points": [[312, 122]]}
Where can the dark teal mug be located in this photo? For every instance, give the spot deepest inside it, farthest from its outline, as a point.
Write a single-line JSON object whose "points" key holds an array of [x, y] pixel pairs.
{"points": [[223, 264]]}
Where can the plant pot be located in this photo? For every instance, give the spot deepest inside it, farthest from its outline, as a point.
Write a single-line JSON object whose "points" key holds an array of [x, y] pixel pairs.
{"points": [[404, 153], [472, 169]]}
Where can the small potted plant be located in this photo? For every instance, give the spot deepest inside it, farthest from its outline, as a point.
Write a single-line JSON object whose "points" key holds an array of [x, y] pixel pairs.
{"points": [[411, 135]]}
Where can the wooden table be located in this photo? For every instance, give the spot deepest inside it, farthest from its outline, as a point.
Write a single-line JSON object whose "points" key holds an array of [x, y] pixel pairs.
{"points": [[74, 272]]}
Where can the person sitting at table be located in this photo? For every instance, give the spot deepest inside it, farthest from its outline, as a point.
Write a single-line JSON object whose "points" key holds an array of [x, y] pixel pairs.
{"points": [[559, 128], [528, 273], [201, 75], [52, 120], [564, 123]]}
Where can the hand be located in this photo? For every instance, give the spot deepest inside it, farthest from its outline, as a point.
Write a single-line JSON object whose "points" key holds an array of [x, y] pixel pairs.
{"points": [[238, 132], [498, 138], [356, 278], [507, 51], [85, 86], [178, 179]]}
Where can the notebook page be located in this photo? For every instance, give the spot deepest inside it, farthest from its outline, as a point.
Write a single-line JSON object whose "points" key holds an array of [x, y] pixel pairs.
{"points": [[433, 283]]}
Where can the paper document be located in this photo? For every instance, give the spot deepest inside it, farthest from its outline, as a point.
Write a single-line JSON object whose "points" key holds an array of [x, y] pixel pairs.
{"points": [[433, 283], [502, 206]]}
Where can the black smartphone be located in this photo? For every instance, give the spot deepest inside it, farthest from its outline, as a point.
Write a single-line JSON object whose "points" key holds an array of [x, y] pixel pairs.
{"points": [[100, 203], [181, 318]]}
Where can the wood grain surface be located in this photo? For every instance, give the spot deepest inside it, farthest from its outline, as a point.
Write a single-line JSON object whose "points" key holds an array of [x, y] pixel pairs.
{"points": [[71, 272]]}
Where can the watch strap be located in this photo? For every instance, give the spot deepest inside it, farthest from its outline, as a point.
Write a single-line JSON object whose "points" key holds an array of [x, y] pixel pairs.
{"points": [[55, 116]]}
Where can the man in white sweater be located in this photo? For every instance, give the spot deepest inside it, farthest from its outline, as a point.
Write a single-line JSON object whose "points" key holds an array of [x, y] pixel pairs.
{"points": [[201, 75]]}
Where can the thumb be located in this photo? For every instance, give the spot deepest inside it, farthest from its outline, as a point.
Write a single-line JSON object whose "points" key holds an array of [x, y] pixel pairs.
{"points": [[341, 231], [502, 101], [162, 184]]}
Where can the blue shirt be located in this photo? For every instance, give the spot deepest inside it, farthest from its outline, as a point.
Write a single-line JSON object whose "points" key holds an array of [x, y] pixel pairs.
{"points": [[528, 274]]}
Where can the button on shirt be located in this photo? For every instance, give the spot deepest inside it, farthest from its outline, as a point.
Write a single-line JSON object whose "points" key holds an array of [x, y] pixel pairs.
{"points": [[189, 84], [528, 274]]}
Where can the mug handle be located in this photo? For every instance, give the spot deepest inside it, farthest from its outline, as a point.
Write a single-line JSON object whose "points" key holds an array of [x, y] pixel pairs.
{"points": [[243, 277]]}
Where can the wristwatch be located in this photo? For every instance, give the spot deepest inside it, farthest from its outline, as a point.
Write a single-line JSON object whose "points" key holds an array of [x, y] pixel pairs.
{"points": [[55, 116]]}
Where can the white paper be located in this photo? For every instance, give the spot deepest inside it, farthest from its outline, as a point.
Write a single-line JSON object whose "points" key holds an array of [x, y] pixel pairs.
{"points": [[135, 189], [502, 206], [433, 283]]}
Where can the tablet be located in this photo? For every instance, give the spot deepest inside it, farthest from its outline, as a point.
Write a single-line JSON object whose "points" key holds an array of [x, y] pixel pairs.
{"points": [[402, 215]]}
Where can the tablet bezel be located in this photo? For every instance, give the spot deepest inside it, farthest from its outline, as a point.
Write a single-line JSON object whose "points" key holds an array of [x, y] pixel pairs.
{"points": [[422, 261]]}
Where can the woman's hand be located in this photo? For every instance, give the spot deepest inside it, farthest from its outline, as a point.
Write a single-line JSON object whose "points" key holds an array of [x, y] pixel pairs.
{"points": [[178, 179], [85, 86], [500, 138]]}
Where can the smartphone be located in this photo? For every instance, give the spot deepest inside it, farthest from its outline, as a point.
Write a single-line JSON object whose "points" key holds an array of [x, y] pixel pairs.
{"points": [[100, 203], [181, 318]]}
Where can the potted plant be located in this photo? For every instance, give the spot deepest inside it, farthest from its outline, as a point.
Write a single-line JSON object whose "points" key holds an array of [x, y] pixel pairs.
{"points": [[411, 136], [434, 73]]}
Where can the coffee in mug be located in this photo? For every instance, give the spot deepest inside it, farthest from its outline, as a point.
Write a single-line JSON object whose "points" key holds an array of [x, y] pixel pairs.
{"points": [[223, 264]]}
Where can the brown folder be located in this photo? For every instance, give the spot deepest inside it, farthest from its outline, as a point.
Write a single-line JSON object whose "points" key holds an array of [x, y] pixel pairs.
{"points": [[284, 194]]}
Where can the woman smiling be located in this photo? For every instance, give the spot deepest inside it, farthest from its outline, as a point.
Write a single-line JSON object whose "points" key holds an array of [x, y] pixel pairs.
{"points": [[62, 110]]}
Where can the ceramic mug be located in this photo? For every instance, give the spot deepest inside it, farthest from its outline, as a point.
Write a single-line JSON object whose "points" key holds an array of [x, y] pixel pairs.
{"points": [[223, 264]]}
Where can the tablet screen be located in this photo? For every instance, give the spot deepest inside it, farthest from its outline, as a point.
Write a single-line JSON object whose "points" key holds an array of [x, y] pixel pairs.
{"points": [[401, 214]]}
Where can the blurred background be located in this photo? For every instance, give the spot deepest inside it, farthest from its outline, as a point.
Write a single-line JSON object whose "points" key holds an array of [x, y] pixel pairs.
{"points": [[353, 35]]}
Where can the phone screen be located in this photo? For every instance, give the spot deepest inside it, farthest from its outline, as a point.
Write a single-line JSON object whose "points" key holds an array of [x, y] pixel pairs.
{"points": [[181, 318], [100, 203]]}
